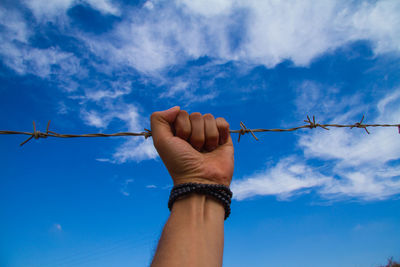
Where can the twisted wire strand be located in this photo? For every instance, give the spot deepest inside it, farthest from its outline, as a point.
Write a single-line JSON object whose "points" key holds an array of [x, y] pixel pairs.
{"points": [[310, 124]]}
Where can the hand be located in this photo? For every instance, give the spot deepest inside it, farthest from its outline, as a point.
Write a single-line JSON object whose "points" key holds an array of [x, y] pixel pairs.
{"points": [[194, 148]]}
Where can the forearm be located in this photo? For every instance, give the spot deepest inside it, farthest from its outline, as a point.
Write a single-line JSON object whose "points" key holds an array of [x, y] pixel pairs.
{"points": [[193, 234]]}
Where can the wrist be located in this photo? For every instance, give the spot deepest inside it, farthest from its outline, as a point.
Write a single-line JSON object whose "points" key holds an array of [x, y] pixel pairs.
{"points": [[217, 193], [198, 206]]}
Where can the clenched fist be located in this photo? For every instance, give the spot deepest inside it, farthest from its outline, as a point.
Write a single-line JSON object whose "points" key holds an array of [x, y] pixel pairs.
{"points": [[194, 148]]}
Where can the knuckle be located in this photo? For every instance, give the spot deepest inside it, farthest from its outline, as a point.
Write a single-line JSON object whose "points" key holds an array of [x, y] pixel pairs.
{"points": [[195, 115], [154, 115], [222, 122], [183, 113], [208, 116]]}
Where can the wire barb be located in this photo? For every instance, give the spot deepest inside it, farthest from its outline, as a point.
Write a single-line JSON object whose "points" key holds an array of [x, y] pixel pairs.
{"points": [[37, 134], [147, 133], [360, 125], [243, 130], [312, 123]]}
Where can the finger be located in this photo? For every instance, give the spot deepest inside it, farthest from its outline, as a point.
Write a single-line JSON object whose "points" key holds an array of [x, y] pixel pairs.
{"points": [[210, 132], [197, 135], [223, 129], [182, 125], [161, 124]]}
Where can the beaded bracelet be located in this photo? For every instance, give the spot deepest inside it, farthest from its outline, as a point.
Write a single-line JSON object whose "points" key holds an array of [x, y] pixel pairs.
{"points": [[219, 192]]}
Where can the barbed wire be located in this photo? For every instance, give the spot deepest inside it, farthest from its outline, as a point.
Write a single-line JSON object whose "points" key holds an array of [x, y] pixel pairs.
{"points": [[310, 124]]}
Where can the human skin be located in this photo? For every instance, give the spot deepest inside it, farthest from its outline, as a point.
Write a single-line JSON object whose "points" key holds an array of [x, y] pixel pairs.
{"points": [[195, 148]]}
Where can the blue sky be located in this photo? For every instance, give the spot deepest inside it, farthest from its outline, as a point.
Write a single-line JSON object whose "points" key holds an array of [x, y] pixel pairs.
{"points": [[307, 198]]}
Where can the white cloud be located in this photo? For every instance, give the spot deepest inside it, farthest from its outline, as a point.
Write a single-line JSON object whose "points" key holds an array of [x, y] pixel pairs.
{"points": [[43, 9], [127, 113], [387, 101], [370, 22], [125, 187], [326, 104], [148, 5], [179, 87], [40, 62], [197, 84], [207, 7], [17, 54], [130, 115], [104, 6], [14, 26], [105, 90], [56, 9], [56, 228], [268, 32], [93, 118], [135, 150], [188, 90], [253, 32], [303, 30], [364, 162], [366, 183], [141, 46], [357, 165], [288, 177], [103, 160], [250, 32], [62, 108], [354, 147], [151, 186]]}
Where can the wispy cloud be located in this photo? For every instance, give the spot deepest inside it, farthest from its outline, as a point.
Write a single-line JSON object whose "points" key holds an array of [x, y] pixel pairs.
{"points": [[56, 9], [107, 90], [133, 149], [56, 228], [288, 177], [17, 53], [266, 32], [93, 118], [367, 164], [44, 10], [356, 165], [270, 32], [125, 187], [326, 102]]}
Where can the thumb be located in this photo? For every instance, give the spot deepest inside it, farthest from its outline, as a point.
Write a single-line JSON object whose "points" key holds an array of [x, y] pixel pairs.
{"points": [[161, 123]]}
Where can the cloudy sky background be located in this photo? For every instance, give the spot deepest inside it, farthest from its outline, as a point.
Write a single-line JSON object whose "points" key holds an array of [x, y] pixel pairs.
{"points": [[105, 66]]}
